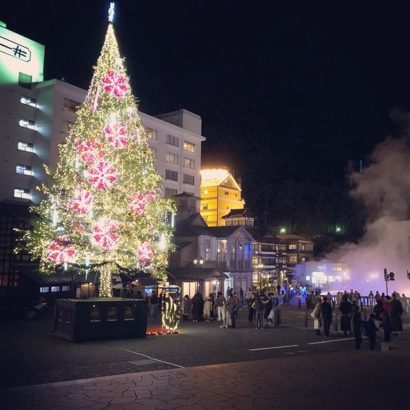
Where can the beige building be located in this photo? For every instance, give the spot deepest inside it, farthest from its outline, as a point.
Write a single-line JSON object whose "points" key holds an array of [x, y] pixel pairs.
{"points": [[220, 193]]}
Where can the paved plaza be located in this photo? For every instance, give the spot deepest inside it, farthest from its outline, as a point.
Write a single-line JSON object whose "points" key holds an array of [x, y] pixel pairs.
{"points": [[204, 367]]}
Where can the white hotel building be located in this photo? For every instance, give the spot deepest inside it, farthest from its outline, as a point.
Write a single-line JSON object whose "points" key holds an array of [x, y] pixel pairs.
{"points": [[35, 115]]}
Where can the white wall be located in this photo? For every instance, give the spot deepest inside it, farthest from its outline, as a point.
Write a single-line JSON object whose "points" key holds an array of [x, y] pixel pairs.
{"points": [[51, 126]]}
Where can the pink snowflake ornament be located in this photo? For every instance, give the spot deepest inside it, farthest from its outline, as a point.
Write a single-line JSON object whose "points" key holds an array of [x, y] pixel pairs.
{"points": [[115, 84], [59, 252], [90, 151], [144, 254], [83, 201], [140, 201], [102, 175], [104, 234], [116, 135]]}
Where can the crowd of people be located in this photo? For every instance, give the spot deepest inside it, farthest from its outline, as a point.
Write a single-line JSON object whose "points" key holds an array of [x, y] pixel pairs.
{"points": [[346, 312], [351, 316], [214, 307], [262, 308]]}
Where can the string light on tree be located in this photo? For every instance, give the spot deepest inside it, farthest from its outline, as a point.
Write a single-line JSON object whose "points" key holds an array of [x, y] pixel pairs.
{"points": [[104, 203]]}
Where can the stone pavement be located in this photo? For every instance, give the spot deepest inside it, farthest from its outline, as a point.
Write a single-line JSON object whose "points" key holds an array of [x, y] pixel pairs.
{"points": [[353, 380]]}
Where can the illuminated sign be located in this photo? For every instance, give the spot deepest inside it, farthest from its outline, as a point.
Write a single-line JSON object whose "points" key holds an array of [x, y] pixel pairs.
{"points": [[14, 49], [19, 55]]}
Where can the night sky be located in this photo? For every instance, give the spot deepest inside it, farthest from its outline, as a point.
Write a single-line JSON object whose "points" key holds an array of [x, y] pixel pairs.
{"points": [[290, 98]]}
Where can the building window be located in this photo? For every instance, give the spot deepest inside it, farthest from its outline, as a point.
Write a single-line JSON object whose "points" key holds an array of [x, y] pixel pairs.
{"points": [[154, 153], [25, 146], [172, 158], [44, 289], [205, 207], [226, 193], [172, 175], [22, 193], [188, 146], [293, 259], [189, 288], [32, 102], [24, 170], [170, 192], [65, 288], [55, 288], [189, 179], [293, 246], [151, 134], [172, 140], [27, 124], [189, 163], [71, 105], [25, 80]]}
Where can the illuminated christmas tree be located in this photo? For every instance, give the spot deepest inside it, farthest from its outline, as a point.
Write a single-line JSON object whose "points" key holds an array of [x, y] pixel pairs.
{"points": [[104, 206]]}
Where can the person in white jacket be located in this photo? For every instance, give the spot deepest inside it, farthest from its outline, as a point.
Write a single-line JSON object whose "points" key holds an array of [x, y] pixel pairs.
{"points": [[316, 317]]}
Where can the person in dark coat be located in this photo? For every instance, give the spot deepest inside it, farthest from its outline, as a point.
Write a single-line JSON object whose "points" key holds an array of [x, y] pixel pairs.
{"points": [[396, 313], [346, 311], [197, 307], [186, 307], [378, 310], [357, 328], [231, 308], [251, 307], [326, 312], [387, 327], [371, 331]]}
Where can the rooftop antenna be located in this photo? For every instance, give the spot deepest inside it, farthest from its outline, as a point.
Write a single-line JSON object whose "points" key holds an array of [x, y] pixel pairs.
{"points": [[111, 12]]}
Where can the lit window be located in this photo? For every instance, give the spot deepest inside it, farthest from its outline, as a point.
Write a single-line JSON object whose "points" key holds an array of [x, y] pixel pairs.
{"points": [[188, 146], [170, 192], [172, 158], [27, 124], [44, 289], [65, 288], [22, 193], [189, 163], [205, 191], [172, 140], [28, 101], [25, 146], [189, 179], [151, 134], [71, 105], [172, 175], [55, 288], [24, 170]]}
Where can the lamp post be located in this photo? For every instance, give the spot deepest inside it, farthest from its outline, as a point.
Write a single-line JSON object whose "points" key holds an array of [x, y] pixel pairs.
{"points": [[199, 261], [387, 278]]}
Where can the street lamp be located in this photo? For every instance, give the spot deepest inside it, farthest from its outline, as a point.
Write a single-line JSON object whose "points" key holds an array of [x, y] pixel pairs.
{"points": [[282, 230], [199, 261]]}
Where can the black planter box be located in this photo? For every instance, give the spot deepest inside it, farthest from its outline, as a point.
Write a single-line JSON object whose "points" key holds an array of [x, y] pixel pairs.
{"points": [[100, 318]]}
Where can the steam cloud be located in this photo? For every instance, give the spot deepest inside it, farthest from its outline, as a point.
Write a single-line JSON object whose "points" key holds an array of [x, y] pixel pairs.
{"points": [[384, 189]]}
